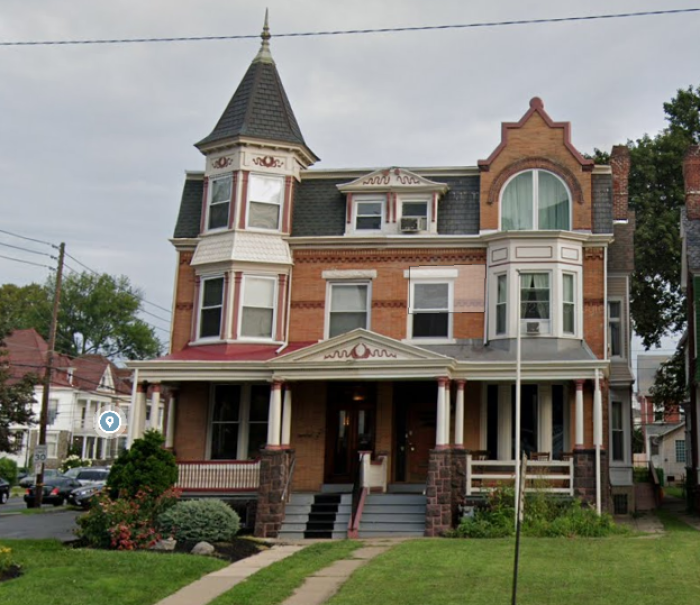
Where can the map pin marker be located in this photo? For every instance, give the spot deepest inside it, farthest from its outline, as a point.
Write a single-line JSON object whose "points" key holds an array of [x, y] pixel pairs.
{"points": [[109, 421]]}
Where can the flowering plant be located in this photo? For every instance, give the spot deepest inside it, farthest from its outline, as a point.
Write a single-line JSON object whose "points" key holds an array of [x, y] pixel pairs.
{"points": [[74, 461]]}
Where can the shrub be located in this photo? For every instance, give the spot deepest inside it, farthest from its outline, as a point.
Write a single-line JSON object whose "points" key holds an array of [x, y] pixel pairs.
{"points": [[6, 562], [146, 465], [8, 470], [125, 523], [74, 461], [196, 520]]}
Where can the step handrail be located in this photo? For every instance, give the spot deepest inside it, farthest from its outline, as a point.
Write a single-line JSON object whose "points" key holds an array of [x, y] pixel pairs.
{"points": [[289, 477], [359, 492]]}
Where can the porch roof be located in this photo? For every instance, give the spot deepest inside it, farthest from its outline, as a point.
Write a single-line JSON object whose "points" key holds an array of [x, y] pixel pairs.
{"points": [[532, 349]]}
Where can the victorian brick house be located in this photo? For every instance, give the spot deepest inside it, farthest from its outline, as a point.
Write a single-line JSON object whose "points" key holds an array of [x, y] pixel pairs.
{"points": [[345, 331]]}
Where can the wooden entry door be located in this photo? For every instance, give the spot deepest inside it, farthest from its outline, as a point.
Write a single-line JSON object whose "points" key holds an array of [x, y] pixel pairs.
{"points": [[350, 429], [416, 422]]}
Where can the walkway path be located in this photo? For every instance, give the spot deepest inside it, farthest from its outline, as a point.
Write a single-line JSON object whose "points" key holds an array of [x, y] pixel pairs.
{"points": [[677, 507]]}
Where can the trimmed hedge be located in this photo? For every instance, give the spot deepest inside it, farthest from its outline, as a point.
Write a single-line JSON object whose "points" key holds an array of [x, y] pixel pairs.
{"points": [[205, 520]]}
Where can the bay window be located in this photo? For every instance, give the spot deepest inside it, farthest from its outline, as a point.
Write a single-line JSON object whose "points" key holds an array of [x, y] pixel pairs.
{"points": [[349, 307], [568, 304], [258, 307], [534, 296], [211, 307], [535, 199], [219, 202], [265, 194], [429, 309]]}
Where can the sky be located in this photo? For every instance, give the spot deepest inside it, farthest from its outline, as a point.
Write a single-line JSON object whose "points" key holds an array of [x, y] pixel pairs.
{"points": [[95, 140]]}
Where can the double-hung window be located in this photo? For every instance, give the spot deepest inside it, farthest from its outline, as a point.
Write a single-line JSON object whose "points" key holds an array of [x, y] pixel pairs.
{"points": [[535, 299], [369, 215], [349, 307], [258, 312], [680, 451], [211, 307], [615, 328], [501, 303], [618, 432], [568, 304], [219, 202], [535, 199], [225, 422], [265, 194], [430, 308]]}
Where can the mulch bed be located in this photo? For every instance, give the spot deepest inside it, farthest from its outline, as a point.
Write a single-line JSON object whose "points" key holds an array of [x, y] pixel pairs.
{"points": [[12, 572], [231, 551]]}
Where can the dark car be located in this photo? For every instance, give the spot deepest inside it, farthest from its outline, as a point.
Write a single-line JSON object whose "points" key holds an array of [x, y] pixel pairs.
{"points": [[28, 480], [82, 496], [56, 491], [4, 491]]}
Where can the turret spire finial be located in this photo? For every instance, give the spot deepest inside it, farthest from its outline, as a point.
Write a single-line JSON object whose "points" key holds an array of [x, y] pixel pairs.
{"points": [[264, 55]]}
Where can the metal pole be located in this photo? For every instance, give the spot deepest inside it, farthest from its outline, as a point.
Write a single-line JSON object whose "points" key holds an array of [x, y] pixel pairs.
{"points": [[516, 454], [598, 436], [519, 510], [44, 416]]}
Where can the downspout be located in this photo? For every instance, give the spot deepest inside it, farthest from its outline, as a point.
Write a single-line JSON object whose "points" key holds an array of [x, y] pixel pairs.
{"points": [[605, 304]]}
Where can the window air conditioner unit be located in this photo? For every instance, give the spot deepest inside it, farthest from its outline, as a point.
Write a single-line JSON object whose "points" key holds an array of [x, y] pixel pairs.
{"points": [[533, 327], [412, 224]]}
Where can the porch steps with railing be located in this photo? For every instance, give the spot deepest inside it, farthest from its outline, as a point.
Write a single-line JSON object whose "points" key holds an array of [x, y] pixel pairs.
{"points": [[392, 514], [324, 515]]}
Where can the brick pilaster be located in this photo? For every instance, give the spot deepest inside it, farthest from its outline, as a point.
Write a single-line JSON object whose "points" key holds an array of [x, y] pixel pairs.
{"points": [[584, 477], [459, 482], [691, 180], [438, 510]]}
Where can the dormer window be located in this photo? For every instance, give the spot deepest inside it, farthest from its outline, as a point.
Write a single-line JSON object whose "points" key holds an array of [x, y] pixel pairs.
{"points": [[219, 203], [535, 200], [414, 216], [369, 215], [265, 201]]}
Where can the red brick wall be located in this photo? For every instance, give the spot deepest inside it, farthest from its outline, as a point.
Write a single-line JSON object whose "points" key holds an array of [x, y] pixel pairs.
{"points": [[472, 415], [184, 307], [191, 421], [594, 300], [308, 434], [389, 289]]}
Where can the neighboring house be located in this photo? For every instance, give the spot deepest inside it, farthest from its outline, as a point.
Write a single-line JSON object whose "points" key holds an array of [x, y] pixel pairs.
{"points": [[690, 280], [666, 446], [79, 388], [647, 366], [363, 323]]}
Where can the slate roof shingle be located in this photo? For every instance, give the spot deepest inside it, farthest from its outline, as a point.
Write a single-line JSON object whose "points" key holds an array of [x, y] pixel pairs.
{"points": [[190, 215]]}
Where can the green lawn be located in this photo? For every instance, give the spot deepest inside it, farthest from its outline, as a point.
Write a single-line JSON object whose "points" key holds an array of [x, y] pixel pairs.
{"points": [[634, 570], [275, 583], [62, 576]]}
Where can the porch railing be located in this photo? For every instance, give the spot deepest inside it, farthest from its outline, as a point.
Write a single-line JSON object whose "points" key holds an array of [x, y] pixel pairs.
{"points": [[555, 476], [218, 476]]}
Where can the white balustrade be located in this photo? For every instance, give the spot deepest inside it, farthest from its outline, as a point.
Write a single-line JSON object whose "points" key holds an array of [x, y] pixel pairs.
{"points": [[212, 476]]}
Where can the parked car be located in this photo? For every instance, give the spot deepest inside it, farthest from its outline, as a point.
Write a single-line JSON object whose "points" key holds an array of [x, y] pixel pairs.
{"points": [[56, 491], [4, 491], [82, 496], [90, 475], [30, 479]]}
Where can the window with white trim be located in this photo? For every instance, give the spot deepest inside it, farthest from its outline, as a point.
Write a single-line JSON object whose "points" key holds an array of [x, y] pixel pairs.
{"points": [[239, 417], [615, 328], [568, 304], [219, 202], [211, 307], [369, 215], [535, 199], [52, 411], [680, 451], [52, 445], [265, 196], [258, 307], [535, 300], [618, 432], [501, 303], [348, 308], [430, 309]]}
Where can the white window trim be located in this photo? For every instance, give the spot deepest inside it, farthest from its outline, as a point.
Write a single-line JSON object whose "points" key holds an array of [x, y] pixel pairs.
{"points": [[497, 276], [552, 311], [450, 310], [574, 302], [356, 201], [431, 222], [535, 200], [329, 292], [626, 436], [204, 279], [248, 226], [275, 294], [210, 196], [623, 331]]}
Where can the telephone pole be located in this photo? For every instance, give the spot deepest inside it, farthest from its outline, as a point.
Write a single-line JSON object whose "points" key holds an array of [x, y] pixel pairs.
{"points": [[43, 418]]}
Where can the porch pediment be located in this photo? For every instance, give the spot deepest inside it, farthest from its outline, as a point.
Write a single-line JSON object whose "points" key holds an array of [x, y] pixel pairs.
{"points": [[359, 346], [392, 179]]}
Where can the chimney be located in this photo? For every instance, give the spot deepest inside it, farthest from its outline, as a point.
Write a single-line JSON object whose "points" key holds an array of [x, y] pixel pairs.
{"points": [[620, 164], [691, 179]]}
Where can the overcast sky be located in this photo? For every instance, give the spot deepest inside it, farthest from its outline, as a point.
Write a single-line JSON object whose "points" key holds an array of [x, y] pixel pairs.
{"points": [[94, 140]]}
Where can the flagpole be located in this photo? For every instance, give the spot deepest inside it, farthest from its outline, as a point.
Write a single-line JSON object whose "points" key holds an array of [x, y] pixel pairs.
{"points": [[516, 454]]}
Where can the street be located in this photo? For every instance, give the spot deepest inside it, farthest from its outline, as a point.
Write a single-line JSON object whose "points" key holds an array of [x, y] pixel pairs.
{"points": [[57, 523]]}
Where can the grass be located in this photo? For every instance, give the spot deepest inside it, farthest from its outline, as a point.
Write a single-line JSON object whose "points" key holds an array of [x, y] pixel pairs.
{"points": [[619, 570], [63, 576], [275, 583], [675, 491]]}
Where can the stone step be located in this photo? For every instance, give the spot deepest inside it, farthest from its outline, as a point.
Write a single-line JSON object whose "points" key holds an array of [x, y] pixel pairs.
{"points": [[296, 518], [293, 527], [418, 509], [391, 517], [290, 535], [297, 509], [406, 488], [395, 499], [336, 488], [301, 499]]}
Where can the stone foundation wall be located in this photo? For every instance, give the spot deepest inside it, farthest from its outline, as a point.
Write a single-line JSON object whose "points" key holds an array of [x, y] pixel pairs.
{"points": [[584, 477], [459, 482], [274, 470], [438, 510]]}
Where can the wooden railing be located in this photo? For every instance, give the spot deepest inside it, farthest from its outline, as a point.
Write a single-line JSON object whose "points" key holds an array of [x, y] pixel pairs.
{"points": [[555, 477], [219, 475]]}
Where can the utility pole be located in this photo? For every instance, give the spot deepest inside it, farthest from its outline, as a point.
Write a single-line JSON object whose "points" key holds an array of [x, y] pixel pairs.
{"points": [[44, 417]]}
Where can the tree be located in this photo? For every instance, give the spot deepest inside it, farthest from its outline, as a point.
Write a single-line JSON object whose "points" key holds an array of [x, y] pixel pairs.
{"points": [[16, 398], [98, 314], [669, 391], [656, 194]]}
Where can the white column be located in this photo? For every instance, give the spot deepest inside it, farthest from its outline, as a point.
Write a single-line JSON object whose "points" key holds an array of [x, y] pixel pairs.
{"points": [[287, 417], [459, 416], [448, 413], [155, 408], [544, 412], [578, 442], [140, 411], [505, 422], [274, 424], [597, 438], [441, 437], [170, 428]]}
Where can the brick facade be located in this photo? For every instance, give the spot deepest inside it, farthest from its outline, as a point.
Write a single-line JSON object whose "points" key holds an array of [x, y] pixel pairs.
{"points": [[185, 303], [691, 178], [585, 478]]}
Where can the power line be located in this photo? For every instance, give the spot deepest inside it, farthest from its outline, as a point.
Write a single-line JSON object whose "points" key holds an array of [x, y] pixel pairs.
{"points": [[347, 32], [29, 239], [26, 262], [27, 250]]}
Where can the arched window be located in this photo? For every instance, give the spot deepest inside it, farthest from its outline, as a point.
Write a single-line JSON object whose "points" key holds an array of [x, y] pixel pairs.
{"points": [[535, 199]]}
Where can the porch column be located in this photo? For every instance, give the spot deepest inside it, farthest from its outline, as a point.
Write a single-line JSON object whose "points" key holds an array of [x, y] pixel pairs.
{"points": [[459, 416], [155, 407], [170, 427], [448, 413], [274, 423], [287, 417], [441, 437], [578, 442], [137, 413], [505, 422], [544, 429]]}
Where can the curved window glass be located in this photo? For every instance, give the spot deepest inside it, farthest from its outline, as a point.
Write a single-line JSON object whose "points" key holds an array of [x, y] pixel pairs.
{"points": [[535, 199]]}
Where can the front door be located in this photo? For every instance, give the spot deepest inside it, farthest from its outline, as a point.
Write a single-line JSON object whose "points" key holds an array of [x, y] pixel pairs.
{"points": [[351, 428], [416, 420]]}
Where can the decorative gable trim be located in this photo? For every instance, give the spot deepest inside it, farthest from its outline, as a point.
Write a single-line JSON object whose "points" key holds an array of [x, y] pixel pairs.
{"points": [[536, 106], [392, 179]]}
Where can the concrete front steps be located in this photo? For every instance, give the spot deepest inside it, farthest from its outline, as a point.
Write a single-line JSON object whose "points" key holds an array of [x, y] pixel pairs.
{"points": [[393, 515], [324, 515]]}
